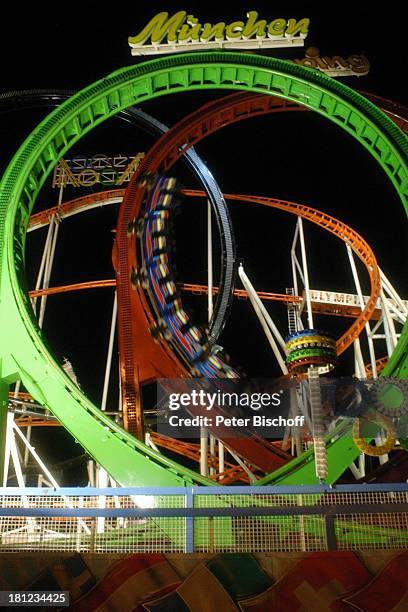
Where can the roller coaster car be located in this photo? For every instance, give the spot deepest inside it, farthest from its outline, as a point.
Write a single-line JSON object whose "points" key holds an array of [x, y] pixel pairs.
{"points": [[148, 180], [173, 306], [131, 227], [165, 279], [168, 201], [158, 233], [160, 331], [172, 297], [185, 327], [171, 188], [155, 332], [139, 278], [134, 278], [203, 354], [139, 225], [200, 334], [164, 329]]}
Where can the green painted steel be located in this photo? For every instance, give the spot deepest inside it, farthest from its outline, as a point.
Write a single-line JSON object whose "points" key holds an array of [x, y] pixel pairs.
{"points": [[23, 351], [3, 425]]}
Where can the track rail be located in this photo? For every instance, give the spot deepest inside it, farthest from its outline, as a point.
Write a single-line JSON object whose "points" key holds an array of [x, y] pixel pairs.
{"points": [[23, 352], [323, 220], [259, 455], [338, 310], [159, 159], [17, 100]]}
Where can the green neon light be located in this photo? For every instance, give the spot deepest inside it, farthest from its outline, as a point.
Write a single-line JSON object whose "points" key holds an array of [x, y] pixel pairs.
{"points": [[23, 351]]}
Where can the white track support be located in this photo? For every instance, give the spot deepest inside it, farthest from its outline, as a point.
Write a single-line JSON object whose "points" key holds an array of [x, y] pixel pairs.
{"points": [[47, 272], [49, 258], [14, 455], [265, 313], [44, 258], [43, 467], [203, 452], [210, 261], [110, 353], [212, 453], [300, 273], [379, 441], [388, 287], [34, 453], [359, 361], [120, 521], [266, 322], [305, 273], [120, 391], [90, 467], [296, 441], [221, 455], [251, 476], [210, 282], [389, 327], [317, 421], [102, 480], [362, 305], [26, 451], [358, 471], [303, 403], [294, 261], [28, 434], [10, 438], [7, 448], [149, 442]]}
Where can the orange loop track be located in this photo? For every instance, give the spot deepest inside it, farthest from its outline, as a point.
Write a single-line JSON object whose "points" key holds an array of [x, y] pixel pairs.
{"points": [[327, 222], [342, 231], [132, 305], [160, 158], [187, 287]]}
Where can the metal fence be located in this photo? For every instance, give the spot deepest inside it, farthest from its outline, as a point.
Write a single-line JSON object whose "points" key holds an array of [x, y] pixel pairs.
{"points": [[204, 519]]}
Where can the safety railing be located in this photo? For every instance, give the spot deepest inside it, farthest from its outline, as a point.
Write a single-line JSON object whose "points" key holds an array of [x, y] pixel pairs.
{"points": [[204, 519]]}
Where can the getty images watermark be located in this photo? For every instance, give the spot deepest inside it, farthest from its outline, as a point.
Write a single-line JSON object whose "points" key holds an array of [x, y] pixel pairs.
{"points": [[269, 408], [199, 400], [232, 408]]}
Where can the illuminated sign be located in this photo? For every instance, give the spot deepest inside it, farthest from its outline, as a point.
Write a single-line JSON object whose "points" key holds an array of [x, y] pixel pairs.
{"points": [[345, 299], [354, 65], [81, 171], [183, 32]]}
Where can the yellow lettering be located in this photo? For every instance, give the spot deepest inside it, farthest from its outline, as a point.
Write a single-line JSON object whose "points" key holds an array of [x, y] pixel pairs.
{"points": [[183, 28], [158, 27], [234, 30], [213, 31], [277, 27], [253, 26], [301, 27], [190, 30]]}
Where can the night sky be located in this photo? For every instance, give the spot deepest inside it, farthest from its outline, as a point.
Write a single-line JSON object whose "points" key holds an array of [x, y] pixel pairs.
{"points": [[296, 156]]}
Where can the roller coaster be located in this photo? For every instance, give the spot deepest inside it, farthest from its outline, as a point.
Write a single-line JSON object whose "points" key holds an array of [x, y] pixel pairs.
{"points": [[157, 339]]}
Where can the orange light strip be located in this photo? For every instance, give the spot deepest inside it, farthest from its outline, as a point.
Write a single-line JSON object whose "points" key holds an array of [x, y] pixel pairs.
{"points": [[339, 229], [188, 287]]}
